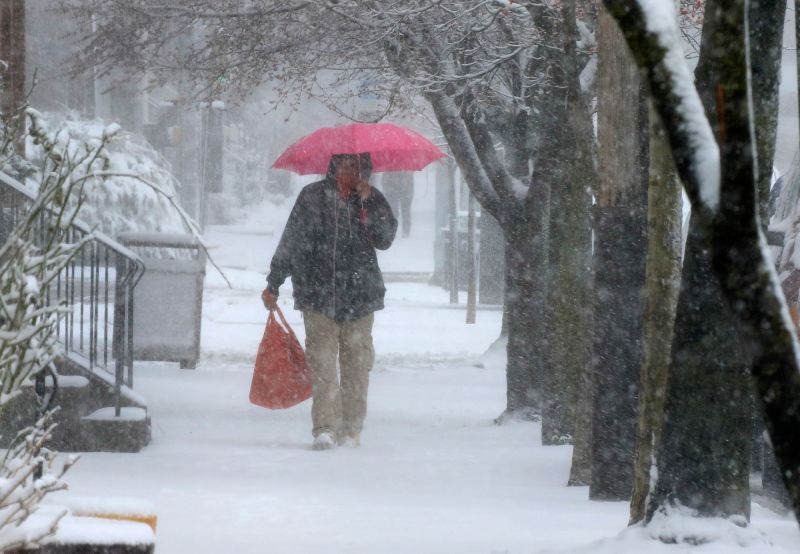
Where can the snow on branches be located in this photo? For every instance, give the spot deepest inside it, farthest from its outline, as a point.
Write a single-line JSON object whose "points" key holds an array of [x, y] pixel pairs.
{"points": [[34, 253], [651, 27], [115, 203], [28, 473], [36, 250]]}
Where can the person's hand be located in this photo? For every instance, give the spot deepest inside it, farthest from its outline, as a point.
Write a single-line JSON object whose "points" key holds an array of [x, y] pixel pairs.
{"points": [[270, 300], [363, 189]]}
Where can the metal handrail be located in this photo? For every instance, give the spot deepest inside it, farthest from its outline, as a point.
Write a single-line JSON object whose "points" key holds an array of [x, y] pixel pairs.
{"points": [[77, 223], [98, 286]]}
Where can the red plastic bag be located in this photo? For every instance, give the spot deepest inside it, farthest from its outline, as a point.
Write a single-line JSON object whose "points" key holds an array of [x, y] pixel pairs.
{"points": [[281, 377]]}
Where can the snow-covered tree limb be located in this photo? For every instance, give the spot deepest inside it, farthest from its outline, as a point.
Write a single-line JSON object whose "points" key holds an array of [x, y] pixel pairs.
{"points": [[651, 30]]}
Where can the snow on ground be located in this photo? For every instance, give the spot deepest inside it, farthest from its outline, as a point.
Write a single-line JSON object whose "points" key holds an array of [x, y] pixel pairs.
{"points": [[433, 474]]}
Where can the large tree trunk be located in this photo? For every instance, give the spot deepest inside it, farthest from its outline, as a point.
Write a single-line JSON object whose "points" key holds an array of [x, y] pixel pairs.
{"points": [[703, 454], [569, 300], [750, 284], [663, 277], [765, 48], [517, 157], [710, 472], [526, 236], [526, 256], [491, 282], [619, 267], [580, 472], [745, 273]]}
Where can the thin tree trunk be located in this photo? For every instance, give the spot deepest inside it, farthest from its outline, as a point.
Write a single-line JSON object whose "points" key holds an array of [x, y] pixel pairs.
{"points": [[619, 267], [765, 50], [472, 276], [452, 280], [663, 275], [797, 51], [766, 34]]}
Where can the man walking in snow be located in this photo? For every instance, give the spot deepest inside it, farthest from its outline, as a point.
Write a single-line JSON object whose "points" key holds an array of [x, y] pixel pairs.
{"points": [[328, 249]]}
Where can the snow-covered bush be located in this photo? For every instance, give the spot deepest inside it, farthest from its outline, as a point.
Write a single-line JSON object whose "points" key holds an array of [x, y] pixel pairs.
{"points": [[117, 203], [28, 473], [34, 253]]}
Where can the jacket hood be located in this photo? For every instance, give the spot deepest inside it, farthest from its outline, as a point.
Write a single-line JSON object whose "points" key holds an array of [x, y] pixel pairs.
{"points": [[364, 159]]}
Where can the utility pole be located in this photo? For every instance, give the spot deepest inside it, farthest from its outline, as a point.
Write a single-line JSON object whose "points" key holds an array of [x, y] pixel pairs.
{"points": [[210, 157], [472, 274], [453, 234]]}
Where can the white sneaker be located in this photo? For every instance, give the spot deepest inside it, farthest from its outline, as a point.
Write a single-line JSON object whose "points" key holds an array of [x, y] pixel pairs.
{"points": [[351, 441], [323, 441]]}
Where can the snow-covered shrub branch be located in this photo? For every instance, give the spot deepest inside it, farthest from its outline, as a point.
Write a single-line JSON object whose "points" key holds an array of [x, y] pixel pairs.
{"points": [[34, 253], [28, 473], [115, 203]]}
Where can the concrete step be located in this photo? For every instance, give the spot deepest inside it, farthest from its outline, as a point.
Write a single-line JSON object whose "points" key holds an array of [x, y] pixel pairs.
{"points": [[76, 364], [104, 431], [85, 421], [74, 399]]}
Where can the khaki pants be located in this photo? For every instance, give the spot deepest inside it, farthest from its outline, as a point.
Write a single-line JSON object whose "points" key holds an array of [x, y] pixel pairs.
{"points": [[339, 405]]}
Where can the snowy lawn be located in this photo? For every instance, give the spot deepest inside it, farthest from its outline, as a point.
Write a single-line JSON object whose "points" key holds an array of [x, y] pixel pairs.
{"points": [[433, 474]]}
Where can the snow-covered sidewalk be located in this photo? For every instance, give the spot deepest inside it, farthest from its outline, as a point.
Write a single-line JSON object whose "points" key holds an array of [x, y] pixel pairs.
{"points": [[433, 474]]}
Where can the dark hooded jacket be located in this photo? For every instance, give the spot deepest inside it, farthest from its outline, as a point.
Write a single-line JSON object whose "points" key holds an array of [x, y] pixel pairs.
{"points": [[328, 248]]}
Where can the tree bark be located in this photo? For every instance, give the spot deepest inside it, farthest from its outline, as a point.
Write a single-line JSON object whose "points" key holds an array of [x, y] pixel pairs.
{"points": [[463, 120], [452, 227], [580, 472], [526, 255], [472, 275], [663, 276], [797, 52], [710, 472], [569, 299], [745, 273], [619, 260], [12, 56], [766, 34], [765, 53]]}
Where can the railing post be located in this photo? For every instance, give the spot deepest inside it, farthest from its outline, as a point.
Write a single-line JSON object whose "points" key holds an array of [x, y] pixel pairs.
{"points": [[118, 337], [129, 328]]}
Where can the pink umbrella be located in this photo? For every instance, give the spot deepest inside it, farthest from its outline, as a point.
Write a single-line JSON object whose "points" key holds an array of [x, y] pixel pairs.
{"points": [[392, 148]]}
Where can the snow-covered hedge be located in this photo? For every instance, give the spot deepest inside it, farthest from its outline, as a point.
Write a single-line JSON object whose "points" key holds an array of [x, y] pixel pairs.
{"points": [[117, 203]]}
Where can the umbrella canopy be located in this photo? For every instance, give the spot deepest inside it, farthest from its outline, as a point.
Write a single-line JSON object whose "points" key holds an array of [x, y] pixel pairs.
{"points": [[391, 147]]}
